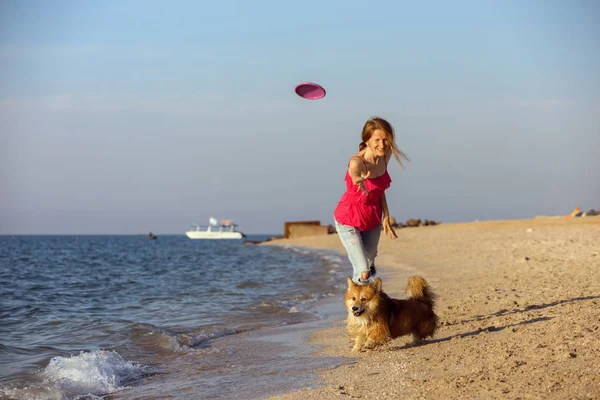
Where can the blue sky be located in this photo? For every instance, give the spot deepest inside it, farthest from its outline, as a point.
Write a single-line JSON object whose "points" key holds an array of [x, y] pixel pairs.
{"points": [[137, 116]]}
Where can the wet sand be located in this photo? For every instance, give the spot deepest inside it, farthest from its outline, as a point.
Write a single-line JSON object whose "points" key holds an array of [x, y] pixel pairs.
{"points": [[519, 306]]}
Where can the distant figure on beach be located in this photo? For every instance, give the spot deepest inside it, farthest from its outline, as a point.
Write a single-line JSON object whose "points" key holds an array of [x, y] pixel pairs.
{"points": [[363, 210]]}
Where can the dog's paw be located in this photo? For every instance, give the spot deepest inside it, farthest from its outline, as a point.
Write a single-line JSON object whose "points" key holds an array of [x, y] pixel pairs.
{"points": [[370, 344], [356, 349]]}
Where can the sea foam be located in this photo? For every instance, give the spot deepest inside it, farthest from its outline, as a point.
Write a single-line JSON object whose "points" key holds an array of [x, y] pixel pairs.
{"points": [[91, 373]]}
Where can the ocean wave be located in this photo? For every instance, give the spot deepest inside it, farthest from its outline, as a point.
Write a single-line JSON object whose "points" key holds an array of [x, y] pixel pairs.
{"points": [[89, 374], [198, 339], [174, 340], [293, 304], [331, 256]]}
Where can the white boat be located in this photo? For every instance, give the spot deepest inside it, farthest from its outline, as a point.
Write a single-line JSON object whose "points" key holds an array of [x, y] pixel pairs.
{"points": [[214, 230]]}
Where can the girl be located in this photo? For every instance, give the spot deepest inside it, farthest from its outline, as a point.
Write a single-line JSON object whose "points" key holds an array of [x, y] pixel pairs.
{"points": [[358, 215]]}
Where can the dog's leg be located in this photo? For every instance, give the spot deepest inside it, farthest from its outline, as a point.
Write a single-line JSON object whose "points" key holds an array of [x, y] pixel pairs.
{"points": [[370, 344], [374, 340], [426, 328], [359, 341], [378, 335], [353, 329], [416, 339]]}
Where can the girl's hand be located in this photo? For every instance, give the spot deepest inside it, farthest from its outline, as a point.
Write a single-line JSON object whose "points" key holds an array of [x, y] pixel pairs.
{"points": [[387, 228], [360, 183]]}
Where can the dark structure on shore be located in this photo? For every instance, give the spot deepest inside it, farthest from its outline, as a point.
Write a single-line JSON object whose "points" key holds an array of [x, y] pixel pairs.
{"points": [[297, 229]]}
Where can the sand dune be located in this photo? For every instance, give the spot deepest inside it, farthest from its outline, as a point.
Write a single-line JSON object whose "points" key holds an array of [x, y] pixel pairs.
{"points": [[519, 304]]}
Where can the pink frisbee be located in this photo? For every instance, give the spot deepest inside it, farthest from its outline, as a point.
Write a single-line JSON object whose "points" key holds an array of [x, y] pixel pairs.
{"points": [[310, 91]]}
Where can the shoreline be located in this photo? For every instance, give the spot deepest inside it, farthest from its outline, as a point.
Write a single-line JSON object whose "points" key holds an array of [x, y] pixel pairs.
{"points": [[518, 308]]}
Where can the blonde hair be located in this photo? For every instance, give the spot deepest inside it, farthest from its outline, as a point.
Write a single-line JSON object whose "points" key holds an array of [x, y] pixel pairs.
{"points": [[379, 123]]}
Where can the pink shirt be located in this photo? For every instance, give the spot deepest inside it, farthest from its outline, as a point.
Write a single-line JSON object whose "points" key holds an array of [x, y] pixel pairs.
{"points": [[359, 210]]}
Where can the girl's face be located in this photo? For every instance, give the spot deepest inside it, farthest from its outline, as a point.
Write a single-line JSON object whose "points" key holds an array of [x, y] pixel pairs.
{"points": [[378, 143]]}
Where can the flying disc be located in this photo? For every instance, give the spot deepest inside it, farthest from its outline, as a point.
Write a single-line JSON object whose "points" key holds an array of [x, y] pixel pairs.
{"points": [[310, 91]]}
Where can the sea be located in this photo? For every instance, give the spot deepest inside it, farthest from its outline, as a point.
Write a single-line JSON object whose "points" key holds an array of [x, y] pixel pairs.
{"points": [[126, 317]]}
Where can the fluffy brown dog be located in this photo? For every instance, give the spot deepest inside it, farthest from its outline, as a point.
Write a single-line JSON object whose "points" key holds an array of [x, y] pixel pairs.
{"points": [[374, 317]]}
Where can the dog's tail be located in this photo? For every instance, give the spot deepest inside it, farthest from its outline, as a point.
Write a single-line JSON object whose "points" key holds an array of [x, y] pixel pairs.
{"points": [[418, 289]]}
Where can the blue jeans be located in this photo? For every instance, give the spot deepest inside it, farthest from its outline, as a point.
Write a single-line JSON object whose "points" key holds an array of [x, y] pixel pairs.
{"points": [[361, 248]]}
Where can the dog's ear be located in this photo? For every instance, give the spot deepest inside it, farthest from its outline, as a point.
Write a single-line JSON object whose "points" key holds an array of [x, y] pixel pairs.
{"points": [[378, 284], [351, 283]]}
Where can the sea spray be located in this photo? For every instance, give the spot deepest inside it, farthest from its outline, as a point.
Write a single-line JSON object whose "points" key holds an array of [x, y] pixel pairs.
{"points": [[91, 373]]}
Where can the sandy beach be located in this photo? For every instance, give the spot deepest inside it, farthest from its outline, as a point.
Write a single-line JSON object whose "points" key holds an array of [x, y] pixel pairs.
{"points": [[519, 306]]}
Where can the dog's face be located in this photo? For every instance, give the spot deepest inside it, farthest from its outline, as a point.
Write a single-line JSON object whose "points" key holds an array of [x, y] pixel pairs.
{"points": [[362, 299]]}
